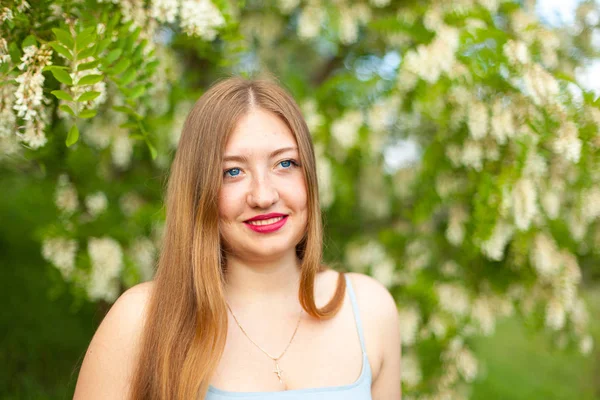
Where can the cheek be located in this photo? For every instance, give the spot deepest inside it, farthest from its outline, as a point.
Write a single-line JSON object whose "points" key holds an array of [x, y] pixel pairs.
{"points": [[227, 204]]}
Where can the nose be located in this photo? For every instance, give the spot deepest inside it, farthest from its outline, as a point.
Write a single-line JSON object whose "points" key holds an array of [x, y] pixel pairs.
{"points": [[262, 193]]}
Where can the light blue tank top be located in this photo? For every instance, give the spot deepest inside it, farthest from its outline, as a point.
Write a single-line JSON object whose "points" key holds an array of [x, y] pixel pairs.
{"points": [[359, 390]]}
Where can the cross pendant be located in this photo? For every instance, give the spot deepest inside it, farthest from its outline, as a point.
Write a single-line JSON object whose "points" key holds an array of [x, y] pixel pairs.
{"points": [[278, 371]]}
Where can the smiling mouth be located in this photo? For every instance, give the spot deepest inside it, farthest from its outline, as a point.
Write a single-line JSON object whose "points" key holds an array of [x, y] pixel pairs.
{"points": [[263, 222]]}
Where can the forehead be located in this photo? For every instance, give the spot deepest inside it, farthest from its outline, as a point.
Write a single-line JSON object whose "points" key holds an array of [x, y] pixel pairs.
{"points": [[258, 131]]}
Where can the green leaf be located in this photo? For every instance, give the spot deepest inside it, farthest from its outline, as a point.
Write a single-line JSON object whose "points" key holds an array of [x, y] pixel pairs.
{"points": [[88, 113], [73, 136], [152, 149], [67, 109], [130, 125], [127, 77], [128, 111], [14, 51], [102, 45], [88, 65], [29, 41], [63, 37], [121, 66], [88, 96], [62, 50], [90, 80], [112, 56], [113, 22], [137, 91], [61, 75], [85, 37], [87, 52], [62, 95]]}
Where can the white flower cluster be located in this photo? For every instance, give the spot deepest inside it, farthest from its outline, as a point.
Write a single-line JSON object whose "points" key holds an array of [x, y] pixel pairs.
{"points": [[351, 17], [29, 96], [453, 299], [345, 129], [65, 196], [373, 197], [516, 51], [411, 370], [96, 203], [567, 143], [61, 253], [478, 120], [130, 203], [324, 178], [287, 6], [201, 18], [310, 21], [410, 318], [8, 118], [540, 85], [164, 10], [493, 247], [4, 55], [107, 262], [143, 253], [455, 232], [430, 61], [524, 203], [457, 355], [502, 123]]}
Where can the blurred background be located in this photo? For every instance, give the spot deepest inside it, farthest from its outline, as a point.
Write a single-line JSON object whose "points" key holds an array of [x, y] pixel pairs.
{"points": [[458, 151]]}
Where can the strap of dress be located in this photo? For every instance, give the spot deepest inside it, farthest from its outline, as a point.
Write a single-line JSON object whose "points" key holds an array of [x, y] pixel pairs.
{"points": [[359, 328]]}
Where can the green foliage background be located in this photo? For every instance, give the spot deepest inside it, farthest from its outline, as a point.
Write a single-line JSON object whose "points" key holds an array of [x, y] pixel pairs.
{"points": [[489, 240]]}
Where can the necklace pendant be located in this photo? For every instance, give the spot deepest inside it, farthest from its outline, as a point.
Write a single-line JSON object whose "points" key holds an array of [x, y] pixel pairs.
{"points": [[278, 371]]}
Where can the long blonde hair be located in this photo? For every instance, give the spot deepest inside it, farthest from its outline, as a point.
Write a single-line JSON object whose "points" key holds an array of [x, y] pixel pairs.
{"points": [[186, 320]]}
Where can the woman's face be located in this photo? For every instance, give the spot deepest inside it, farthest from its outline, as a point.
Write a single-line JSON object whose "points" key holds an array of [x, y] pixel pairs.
{"points": [[262, 201]]}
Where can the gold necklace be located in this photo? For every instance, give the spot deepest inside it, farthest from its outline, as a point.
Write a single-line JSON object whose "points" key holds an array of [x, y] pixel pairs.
{"points": [[278, 371]]}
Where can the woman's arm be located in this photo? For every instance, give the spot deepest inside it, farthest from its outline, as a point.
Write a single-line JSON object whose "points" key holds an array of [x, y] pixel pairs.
{"points": [[112, 355], [387, 384]]}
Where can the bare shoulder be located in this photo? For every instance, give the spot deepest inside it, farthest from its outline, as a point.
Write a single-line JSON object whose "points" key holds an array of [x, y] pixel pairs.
{"points": [[110, 359], [372, 296], [382, 327]]}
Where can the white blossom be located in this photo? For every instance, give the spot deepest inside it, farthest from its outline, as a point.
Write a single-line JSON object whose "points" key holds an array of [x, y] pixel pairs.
{"points": [[359, 256], [467, 365], [65, 196], [384, 272], [61, 253], [313, 118], [502, 123], [472, 155], [540, 85], [478, 120], [106, 258], [4, 55], [544, 256], [130, 203], [438, 326], [524, 203], [483, 315], [345, 129], [96, 203], [324, 177], [379, 3], [555, 315], [143, 253], [590, 204], [455, 232], [430, 61], [410, 318], [309, 22], [201, 18], [586, 345], [287, 6], [411, 370], [164, 10], [122, 150], [550, 201], [516, 51], [567, 142], [453, 298], [493, 247]]}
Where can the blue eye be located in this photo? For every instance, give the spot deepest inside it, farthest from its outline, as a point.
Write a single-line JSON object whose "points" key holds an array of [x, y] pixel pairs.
{"points": [[288, 163], [233, 172]]}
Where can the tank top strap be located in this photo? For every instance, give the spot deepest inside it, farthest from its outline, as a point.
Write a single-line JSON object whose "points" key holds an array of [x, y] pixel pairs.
{"points": [[359, 327]]}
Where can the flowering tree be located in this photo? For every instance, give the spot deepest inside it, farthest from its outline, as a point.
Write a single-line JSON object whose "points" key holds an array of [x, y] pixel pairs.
{"points": [[494, 215]]}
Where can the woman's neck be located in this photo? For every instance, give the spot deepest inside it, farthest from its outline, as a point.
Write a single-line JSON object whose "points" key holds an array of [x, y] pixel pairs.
{"points": [[262, 283]]}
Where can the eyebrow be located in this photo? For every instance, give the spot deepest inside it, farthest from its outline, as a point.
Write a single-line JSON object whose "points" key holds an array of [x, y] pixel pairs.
{"points": [[273, 154]]}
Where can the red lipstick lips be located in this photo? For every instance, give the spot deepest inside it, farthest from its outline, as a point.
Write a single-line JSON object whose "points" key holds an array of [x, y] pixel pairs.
{"points": [[266, 223]]}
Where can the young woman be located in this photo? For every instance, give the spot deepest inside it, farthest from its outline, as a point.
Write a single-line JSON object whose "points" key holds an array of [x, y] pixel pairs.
{"points": [[241, 306]]}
